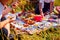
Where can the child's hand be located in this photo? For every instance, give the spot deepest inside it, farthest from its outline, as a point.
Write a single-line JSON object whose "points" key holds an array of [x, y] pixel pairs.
{"points": [[42, 14], [11, 18]]}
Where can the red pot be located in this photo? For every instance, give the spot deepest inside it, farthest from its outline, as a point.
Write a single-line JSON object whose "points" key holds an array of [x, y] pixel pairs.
{"points": [[38, 18]]}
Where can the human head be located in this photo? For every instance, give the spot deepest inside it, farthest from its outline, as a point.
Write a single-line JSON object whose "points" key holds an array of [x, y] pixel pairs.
{"points": [[4, 1]]}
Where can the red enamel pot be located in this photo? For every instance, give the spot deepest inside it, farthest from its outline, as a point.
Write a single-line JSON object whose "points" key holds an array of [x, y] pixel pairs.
{"points": [[38, 18]]}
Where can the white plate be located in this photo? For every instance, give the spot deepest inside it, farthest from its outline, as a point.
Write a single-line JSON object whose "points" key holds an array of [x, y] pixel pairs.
{"points": [[12, 15]]}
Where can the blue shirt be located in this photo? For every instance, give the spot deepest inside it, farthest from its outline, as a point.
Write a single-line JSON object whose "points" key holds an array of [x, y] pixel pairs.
{"points": [[1, 10]]}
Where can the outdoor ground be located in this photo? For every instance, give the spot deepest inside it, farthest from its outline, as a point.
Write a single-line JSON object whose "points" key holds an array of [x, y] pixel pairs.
{"points": [[57, 2], [50, 34]]}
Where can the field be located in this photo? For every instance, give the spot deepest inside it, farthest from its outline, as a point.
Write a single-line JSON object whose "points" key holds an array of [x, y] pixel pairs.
{"points": [[50, 34], [57, 2]]}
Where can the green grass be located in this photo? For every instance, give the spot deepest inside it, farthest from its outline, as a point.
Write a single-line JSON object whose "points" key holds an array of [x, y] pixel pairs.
{"points": [[57, 3], [50, 34]]}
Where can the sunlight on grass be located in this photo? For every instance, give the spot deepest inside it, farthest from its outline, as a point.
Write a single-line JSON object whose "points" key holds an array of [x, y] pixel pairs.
{"points": [[57, 3]]}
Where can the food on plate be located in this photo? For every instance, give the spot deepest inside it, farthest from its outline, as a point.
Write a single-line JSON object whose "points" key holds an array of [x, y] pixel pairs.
{"points": [[35, 24], [17, 29], [30, 15], [25, 20], [30, 22], [10, 17], [14, 22], [26, 25]]}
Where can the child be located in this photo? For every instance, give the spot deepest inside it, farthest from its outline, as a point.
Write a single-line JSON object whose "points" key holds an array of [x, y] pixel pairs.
{"points": [[3, 21], [44, 6]]}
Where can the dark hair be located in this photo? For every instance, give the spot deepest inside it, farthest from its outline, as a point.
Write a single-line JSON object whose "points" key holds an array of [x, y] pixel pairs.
{"points": [[3, 0]]}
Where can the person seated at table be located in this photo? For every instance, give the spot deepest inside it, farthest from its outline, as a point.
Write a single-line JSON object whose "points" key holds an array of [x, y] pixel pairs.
{"points": [[4, 23], [44, 6]]}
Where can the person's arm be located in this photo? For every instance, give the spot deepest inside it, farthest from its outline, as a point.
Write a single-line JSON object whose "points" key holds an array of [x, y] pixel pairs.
{"points": [[3, 23], [51, 6], [40, 7]]}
